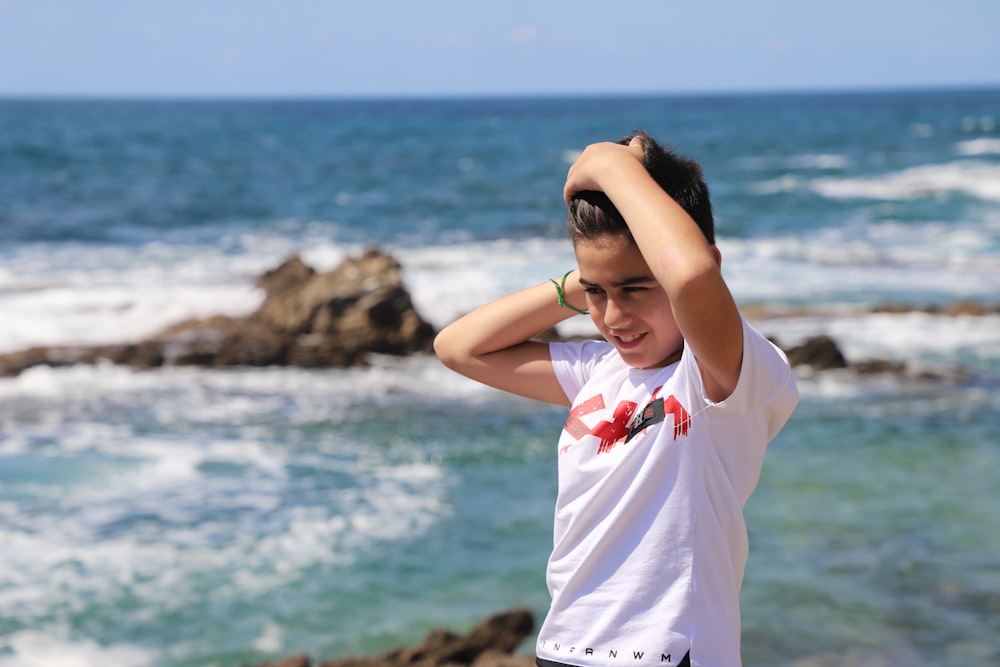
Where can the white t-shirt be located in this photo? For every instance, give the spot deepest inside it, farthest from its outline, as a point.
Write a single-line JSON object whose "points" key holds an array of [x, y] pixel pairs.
{"points": [[649, 541]]}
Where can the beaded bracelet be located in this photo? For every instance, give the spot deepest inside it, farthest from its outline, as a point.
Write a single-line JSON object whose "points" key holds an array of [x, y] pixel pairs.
{"points": [[560, 289]]}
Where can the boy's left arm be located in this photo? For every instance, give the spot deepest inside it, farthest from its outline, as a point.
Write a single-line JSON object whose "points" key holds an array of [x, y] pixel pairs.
{"points": [[681, 259]]}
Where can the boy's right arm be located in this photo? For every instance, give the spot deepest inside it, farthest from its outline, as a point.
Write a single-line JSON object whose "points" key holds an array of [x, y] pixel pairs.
{"points": [[493, 345]]}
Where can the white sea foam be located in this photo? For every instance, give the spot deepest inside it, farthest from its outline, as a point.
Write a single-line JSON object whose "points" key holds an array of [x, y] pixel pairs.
{"points": [[128, 301], [181, 395], [981, 146], [95, 316], [859, 263], [97, 295], [969, 177], [449, 281], [45, 302], [159, 542], [908, 336], [162, 512], [863, 262], [271, 639], [31, 648]]}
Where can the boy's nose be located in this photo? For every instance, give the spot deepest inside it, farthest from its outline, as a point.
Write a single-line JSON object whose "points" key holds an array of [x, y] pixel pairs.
{"points": [[615, 315]]}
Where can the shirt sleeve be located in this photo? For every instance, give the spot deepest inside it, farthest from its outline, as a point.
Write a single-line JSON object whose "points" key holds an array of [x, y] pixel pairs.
{"points": [[744, 423], [574, 363], [766, 384]]}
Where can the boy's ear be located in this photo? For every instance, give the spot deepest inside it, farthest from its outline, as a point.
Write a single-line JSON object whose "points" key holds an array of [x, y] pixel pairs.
{"points": [[717, 254]]}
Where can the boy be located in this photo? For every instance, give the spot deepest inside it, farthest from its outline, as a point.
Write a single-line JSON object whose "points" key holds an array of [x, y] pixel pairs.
{"points": [[669, 416]]}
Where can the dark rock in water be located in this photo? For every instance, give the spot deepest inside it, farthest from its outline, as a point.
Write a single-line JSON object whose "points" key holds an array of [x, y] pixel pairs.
{"points": [[308, 319], [878, 367], [491, 643], [822, 353], [818, 352]]}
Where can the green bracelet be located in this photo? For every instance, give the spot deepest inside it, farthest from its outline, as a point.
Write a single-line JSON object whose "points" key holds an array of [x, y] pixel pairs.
{"points": [[560, 289]]}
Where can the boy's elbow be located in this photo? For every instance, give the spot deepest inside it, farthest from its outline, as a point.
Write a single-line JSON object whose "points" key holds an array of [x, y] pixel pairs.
{"points": [[447, 350], [441, 347]]}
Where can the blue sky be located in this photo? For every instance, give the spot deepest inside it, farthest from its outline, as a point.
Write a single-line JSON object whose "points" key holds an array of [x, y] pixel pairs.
{"points": [[485, 47]]}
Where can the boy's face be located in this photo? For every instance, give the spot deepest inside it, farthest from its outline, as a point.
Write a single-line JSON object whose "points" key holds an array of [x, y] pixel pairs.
{"points": [[630, 309]]}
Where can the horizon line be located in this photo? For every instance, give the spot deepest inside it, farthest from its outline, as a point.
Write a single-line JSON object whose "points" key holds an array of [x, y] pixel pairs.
{"points": [[493, 95]]}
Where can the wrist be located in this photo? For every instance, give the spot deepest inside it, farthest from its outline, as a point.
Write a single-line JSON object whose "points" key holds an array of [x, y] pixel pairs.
{"points": [[563, 298]]}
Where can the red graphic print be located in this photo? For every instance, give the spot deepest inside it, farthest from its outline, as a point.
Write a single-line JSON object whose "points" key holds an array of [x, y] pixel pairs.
{"points": [[611, 432], [574, 425], [621, 424], [682, 419]]}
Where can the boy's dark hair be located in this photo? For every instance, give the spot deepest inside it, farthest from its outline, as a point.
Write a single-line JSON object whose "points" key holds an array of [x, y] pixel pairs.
{"points": [[591, 214]]}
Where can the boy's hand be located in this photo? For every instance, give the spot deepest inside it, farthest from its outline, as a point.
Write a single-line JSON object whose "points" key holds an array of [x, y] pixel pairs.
{"points": [[596, 159]]}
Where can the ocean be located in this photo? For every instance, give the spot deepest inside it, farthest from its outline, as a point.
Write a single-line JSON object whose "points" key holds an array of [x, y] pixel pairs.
{"points": [[186, 516]]}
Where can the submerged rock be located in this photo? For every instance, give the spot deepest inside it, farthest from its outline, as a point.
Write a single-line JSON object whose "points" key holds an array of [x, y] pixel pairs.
{"points": [[308, 319]]}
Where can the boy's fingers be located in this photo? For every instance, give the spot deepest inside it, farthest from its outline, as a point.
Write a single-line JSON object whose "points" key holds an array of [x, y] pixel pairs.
{"points": [[581, 174], [568, 193], [636, 148]]}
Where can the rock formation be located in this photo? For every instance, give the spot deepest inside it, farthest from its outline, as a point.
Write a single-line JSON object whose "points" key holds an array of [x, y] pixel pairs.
{"points": [[307, 319], [818, 352], [490, 643]]}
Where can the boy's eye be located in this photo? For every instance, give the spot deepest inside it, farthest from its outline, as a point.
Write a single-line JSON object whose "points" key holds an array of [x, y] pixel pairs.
{"points": [[593, 290]]}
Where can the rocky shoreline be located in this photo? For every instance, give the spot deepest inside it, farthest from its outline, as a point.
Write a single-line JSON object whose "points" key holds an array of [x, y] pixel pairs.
{"points": [[490, 643], [339, 318], [307, 319]]}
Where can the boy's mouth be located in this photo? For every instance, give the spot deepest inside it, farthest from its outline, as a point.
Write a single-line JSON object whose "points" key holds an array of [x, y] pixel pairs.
{"points": [[629, 340]]}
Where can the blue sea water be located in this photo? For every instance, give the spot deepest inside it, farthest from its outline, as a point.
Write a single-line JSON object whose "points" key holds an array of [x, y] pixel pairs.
{"points": [[202, 517]]}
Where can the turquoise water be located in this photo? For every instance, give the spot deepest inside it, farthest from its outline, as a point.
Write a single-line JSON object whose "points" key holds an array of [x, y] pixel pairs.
{"points": [[197, 517]]}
